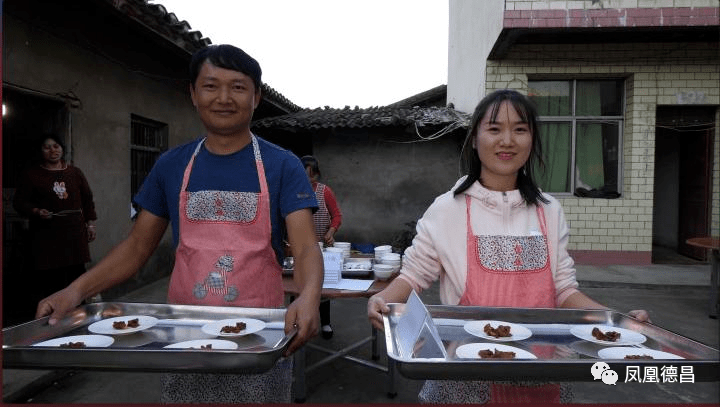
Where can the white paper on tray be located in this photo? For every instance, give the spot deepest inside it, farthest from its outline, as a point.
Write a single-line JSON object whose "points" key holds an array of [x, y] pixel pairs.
{"points": [[349, 284], [333, 264], [417, 334]]}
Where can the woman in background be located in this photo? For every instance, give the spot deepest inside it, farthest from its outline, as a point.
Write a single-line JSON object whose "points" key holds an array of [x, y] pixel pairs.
{"points": [[327, 222], [57, 199]]}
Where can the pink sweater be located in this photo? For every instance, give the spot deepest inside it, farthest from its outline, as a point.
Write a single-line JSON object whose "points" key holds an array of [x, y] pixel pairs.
{"points": [[439, 249]]}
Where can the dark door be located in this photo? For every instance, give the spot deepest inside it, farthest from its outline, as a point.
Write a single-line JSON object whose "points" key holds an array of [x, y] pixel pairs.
{"points": [[693, 126]]}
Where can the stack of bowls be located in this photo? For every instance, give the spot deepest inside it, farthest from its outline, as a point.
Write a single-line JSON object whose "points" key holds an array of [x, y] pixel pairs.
{"points": [[391, 259], [345, 246], [381, 251]]}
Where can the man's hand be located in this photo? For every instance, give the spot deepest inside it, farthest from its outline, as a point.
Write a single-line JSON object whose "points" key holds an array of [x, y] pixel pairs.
{"points": [[58, 304], [302, 314]]}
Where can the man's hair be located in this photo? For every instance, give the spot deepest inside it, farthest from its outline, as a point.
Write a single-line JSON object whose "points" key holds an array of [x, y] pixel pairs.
{"points": [[227, 57]]}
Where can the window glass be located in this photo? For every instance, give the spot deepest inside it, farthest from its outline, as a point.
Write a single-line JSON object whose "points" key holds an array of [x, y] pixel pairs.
{"points": [[557, 146], [581, 131], [596, 157], [599, 98], [552, 98]]}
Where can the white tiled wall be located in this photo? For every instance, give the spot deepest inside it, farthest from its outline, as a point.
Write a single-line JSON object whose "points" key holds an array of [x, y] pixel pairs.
{"points": [[656, 74]]}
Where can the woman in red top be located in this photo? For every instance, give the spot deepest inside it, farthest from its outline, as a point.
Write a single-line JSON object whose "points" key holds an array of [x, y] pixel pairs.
{"points": [[327, 221]]}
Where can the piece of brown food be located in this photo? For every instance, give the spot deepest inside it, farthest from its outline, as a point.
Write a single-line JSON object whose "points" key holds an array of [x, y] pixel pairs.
{"points": [[502, 331], [639, 357], [229, 329], [132, 323], [206, 347], [610, 336], [497, 354], [73, 345]]}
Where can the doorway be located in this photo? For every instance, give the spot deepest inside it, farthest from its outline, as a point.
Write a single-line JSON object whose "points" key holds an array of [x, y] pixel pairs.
{"points": [[26, 116], [683, 177]]}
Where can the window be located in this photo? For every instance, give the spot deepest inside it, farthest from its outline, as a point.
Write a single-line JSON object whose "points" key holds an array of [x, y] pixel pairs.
{"points": [[148, 139], [580, 124]]}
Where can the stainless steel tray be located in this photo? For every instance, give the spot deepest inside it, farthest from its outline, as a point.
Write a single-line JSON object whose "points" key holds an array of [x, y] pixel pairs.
{"points": [[144, 350], [561, 355]]}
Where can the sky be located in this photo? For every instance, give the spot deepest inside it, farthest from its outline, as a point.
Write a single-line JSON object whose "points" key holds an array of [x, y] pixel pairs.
{"points": [[332, 53]]}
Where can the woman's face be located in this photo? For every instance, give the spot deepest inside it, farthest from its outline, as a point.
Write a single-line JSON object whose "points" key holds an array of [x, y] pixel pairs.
{"points": [[52, 151], [503, 147], [310, 173]]}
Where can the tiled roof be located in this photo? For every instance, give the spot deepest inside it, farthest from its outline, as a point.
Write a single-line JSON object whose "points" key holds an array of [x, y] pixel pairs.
{"points": [[166, 24], [158, 19], [424, 98], [326, 118], [275, 97]]}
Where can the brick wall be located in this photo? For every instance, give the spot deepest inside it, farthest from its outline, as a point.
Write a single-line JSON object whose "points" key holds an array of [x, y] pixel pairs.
{"points": [[620, 230], [603, 4]]}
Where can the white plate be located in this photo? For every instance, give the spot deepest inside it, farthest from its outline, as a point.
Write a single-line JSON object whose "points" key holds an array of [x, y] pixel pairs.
{"points": [[470, 351], [621, 352], [517, 332], [91, 341], [106, 325], [627, 337], [252, 326], [216, 344]]}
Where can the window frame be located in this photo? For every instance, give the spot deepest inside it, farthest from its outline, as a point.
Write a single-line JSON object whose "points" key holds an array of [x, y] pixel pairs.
{"points": [[160, 136], [573, 119]]}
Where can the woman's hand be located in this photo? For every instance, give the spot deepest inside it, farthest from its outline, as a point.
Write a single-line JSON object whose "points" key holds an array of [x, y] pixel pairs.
{"points": [[375, 308], [640, 314], [91, 232], [329, 237], [43, 213]]}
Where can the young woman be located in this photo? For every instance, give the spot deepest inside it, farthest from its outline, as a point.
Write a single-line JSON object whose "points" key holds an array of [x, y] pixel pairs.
{"points": [[493, 240]]}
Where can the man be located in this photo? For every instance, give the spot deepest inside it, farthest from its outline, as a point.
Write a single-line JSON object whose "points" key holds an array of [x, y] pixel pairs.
{"points": [[226, 196]]}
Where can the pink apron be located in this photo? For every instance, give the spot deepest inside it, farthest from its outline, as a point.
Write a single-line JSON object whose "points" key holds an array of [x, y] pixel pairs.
{"points": [[512, 271], [225, 255]]}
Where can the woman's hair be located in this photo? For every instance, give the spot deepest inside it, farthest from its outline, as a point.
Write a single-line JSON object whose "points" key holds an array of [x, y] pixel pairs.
{"points": [[38, 153], [470, 161], [312, 162], [226, 57]]}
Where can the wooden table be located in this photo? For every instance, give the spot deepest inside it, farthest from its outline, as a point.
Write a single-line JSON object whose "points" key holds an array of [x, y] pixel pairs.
{"points": [[713, 244], [300, 370]]}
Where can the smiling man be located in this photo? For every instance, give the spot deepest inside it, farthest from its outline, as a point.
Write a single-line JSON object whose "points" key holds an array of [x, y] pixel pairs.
{"points": [[230, 196]]}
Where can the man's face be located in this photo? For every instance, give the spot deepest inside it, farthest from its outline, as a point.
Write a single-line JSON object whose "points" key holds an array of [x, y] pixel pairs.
{"points": [[225, 100]]}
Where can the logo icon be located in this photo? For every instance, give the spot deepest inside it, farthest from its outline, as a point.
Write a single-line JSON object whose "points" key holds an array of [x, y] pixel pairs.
{"points": [[609, 377], [602, 371]]}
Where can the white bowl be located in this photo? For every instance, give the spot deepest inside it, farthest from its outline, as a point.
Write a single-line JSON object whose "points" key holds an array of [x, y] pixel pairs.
{"points": [[383, 271], [390, 257], [344, 245]]}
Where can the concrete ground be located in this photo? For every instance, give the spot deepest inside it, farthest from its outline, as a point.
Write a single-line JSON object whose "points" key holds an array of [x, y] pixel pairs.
{"points": [[676, 297]]}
